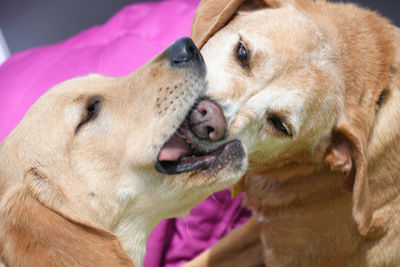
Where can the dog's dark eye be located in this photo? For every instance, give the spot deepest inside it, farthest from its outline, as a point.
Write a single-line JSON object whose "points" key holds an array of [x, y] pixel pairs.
{"points": [[243, 54], [91, 111], [382, 98], [279, 126]]}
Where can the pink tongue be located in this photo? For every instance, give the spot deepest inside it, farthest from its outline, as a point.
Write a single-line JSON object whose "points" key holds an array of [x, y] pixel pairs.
{"points": [[174, 149]]}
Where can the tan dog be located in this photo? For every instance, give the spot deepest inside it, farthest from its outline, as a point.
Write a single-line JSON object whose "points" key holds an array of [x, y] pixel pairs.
{"points": [[313, 90], [78, 184]]}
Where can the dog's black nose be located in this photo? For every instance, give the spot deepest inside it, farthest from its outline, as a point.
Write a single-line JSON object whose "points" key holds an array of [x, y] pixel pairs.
{"points": [[183, 52]]}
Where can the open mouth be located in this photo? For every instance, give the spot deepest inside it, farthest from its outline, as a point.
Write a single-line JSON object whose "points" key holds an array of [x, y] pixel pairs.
{"points": [[179, 154]]}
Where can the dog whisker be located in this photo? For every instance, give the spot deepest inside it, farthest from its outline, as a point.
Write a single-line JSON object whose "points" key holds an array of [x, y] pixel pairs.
{"points": [[188, 230]]}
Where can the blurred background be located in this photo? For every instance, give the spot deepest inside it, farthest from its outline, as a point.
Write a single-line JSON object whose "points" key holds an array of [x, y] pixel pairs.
{"points": [[30, 23]]}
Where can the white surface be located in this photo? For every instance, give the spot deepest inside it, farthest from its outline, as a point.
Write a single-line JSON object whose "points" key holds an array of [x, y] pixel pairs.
{"points": [[4, 51]]}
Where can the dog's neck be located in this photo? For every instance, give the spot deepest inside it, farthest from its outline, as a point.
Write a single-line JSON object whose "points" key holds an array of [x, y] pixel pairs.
{"points": [[302, 213], [296, 223], [133, 230], [281, 188]]}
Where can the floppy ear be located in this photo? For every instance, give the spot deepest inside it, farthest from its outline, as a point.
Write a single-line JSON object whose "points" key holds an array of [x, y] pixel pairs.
{"points": [[37, 233], [212, 15], [347, 154], [349, 149]]}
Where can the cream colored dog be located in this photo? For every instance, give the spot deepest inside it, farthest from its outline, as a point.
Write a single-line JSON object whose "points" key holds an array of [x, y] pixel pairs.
{"points": [[78, 179], [313, 90]]}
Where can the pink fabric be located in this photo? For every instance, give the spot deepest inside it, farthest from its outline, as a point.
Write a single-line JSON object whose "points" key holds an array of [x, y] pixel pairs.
{"points": [[130, 38], [126, 41], [207, 223]]}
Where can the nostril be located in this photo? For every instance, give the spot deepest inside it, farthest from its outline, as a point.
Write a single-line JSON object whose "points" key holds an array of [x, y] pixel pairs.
{"points": [[191, 50], [208, 121], [210, 130], [183, 52]]}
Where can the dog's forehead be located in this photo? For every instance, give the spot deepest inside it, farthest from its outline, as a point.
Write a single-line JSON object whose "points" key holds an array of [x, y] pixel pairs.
{"points": [[87, 85], [280, 41], [286, 31], [281, 38]]}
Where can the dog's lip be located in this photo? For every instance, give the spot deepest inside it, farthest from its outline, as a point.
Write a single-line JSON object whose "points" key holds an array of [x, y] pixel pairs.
{"points": [[184, 152], [179, 154], [214, 161]]}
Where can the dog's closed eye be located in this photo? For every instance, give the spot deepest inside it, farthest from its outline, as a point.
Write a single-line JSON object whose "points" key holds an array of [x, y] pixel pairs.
{"points": [[382, 98], [279, 126], [91, 111]]}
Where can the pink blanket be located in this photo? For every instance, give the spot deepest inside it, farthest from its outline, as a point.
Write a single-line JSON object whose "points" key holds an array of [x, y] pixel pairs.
{"points": [[126, 41]]}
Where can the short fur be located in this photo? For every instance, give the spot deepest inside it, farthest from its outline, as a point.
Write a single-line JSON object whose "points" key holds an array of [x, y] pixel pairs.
{"points": [[87, 194], [328, 194]]}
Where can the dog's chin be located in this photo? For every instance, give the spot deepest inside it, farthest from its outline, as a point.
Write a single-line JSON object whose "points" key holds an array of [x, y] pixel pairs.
{"points": [[184, 152]]}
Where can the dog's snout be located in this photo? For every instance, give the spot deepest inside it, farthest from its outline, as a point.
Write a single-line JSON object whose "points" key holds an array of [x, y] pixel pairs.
{"points": [[183, 52], [208, 121]]}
